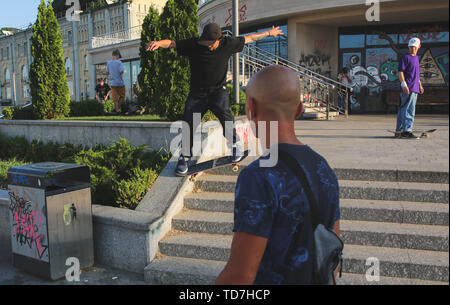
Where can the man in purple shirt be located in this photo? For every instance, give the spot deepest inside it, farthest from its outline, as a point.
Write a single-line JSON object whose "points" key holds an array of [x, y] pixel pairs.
{"points": [[409, 76]]}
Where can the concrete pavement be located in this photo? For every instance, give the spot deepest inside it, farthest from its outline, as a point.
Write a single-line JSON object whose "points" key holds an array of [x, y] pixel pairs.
{"points": [[362, 141]]}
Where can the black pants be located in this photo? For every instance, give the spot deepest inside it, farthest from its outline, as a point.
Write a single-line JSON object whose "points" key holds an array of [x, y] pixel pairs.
{"points": [[216, 100]]}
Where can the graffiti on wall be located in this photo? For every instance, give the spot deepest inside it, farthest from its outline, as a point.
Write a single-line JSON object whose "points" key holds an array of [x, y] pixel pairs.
{"points": [[242, 15], [434, 67], [318, 62], [28, 226], [379, 68], [426, 34]]}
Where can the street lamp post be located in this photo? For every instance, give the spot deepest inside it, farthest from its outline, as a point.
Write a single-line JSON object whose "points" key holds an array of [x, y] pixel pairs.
{"points": [[236, 86]]}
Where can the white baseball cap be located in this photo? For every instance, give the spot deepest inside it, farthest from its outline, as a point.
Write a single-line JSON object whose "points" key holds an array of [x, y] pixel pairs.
{"points": [[414, 42]]}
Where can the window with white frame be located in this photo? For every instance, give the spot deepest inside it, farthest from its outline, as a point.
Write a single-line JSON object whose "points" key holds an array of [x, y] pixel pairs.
{"points": [[25, 73], [26, 91], [86, 63], [68, 66]]}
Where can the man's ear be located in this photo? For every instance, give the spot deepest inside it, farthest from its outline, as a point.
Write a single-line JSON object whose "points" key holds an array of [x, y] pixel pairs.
{"points": [[251, 107], [299, 111]]}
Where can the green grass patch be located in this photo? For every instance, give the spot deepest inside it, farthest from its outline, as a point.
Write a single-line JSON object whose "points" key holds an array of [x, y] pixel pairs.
{"points": [[145, 117]]}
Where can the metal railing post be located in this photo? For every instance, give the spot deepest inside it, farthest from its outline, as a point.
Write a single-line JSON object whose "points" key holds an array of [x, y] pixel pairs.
{"points": [[236, 87]]}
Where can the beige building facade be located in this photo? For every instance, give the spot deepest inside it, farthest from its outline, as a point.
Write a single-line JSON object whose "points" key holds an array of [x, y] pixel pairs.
{"points": [[96, 34]]}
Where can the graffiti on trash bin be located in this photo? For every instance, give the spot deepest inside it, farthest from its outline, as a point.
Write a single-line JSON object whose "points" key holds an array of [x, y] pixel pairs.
{"points": [[26, 225]]}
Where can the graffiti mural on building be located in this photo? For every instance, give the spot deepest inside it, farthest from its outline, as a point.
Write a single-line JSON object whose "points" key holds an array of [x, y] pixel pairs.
{"points": [[434, 67], [318, 62], [374, 69]]}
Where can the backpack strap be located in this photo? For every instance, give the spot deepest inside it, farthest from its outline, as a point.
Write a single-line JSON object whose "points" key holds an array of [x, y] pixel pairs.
{"points": [[298, 171]]}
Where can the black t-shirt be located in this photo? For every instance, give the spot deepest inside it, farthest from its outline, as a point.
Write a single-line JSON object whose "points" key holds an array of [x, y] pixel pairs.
{"points": [[102, 91], [209, 68]]}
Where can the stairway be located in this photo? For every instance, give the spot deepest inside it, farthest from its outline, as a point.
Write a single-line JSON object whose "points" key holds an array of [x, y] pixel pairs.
{"points": [[398, 219]]}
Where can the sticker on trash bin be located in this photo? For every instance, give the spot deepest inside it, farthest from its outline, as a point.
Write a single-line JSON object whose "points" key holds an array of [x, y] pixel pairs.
{"points": [[67, 215]]}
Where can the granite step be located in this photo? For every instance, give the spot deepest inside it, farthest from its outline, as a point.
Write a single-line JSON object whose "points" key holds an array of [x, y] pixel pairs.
{"points": [[393, 235], [361, 174], [350, 189], [395, 266], [351, 209]]}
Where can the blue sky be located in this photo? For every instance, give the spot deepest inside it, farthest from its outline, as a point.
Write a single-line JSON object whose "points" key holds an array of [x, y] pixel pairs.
{"points": [[18, 13]]}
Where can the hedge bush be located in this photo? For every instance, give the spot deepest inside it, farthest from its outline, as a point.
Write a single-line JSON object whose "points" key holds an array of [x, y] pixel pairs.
{"points": [[121, 174], [18, 113], [90, 108]]}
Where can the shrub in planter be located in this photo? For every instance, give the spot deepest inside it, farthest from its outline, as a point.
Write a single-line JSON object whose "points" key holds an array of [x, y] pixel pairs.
{"points": [[108, 106], [130, 192], [8, 112], [15, 147], [86, 108], [4, 166]]}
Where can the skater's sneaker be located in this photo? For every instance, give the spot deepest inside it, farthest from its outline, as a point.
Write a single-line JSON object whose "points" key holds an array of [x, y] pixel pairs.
{"points": [[182, 166], [409, 135], [398, 134], [237, 153]]}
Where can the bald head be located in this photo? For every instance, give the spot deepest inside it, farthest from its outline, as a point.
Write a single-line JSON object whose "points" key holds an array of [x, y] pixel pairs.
{"points": [[276, 91]]}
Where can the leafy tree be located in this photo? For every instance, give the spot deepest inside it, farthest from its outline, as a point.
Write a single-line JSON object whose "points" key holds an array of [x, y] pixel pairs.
{"points": [[149, 76], [179, 20], [49, 88]]}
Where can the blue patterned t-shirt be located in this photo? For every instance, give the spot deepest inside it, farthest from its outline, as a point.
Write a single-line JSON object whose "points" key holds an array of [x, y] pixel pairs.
{"points": [[270, 202]]}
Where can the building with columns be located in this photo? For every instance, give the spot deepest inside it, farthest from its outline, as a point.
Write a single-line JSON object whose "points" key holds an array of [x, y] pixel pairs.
{"points": [[87, 46]]}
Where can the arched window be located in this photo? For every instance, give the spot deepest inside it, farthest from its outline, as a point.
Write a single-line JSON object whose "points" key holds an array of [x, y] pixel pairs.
{"points": [[68, 66], [7, 75], [86, 62]]}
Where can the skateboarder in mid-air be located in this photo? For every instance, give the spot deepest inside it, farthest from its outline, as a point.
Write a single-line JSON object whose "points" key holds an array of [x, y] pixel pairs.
{"points": [[208, 57]]}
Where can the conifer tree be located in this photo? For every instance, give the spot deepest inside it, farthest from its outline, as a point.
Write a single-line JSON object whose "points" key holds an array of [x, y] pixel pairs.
{"points": [[49, 88], [149, 75], [179, 20]]}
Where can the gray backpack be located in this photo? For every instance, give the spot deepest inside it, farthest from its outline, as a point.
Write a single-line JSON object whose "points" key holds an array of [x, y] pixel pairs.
{"points": [[327, 245]]}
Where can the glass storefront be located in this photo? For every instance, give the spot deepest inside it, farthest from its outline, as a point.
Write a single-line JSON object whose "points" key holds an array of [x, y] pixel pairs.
{"points": [[277, 46], [372, 56], [130, 77]]}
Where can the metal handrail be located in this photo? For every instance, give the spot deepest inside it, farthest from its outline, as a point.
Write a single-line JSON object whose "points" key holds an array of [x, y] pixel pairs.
{"points": [[254, 60], [117, 37], [294, 65], [317, 89]]}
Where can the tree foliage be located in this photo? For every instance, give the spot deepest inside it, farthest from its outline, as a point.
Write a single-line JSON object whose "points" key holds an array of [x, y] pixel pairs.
{"points": [[179, 20], [149, 76], [49, 88]]}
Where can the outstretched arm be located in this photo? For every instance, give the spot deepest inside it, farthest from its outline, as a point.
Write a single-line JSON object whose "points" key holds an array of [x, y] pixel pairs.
{"points": [[274, 32], [165, 44]]}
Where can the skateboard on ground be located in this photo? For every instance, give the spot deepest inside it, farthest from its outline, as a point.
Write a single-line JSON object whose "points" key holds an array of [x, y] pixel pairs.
{"points": [[423, 133], [194, 170]]}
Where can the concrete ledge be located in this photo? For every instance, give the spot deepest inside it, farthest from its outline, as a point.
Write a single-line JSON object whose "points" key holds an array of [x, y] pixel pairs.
{"points": [[156, 135]]}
